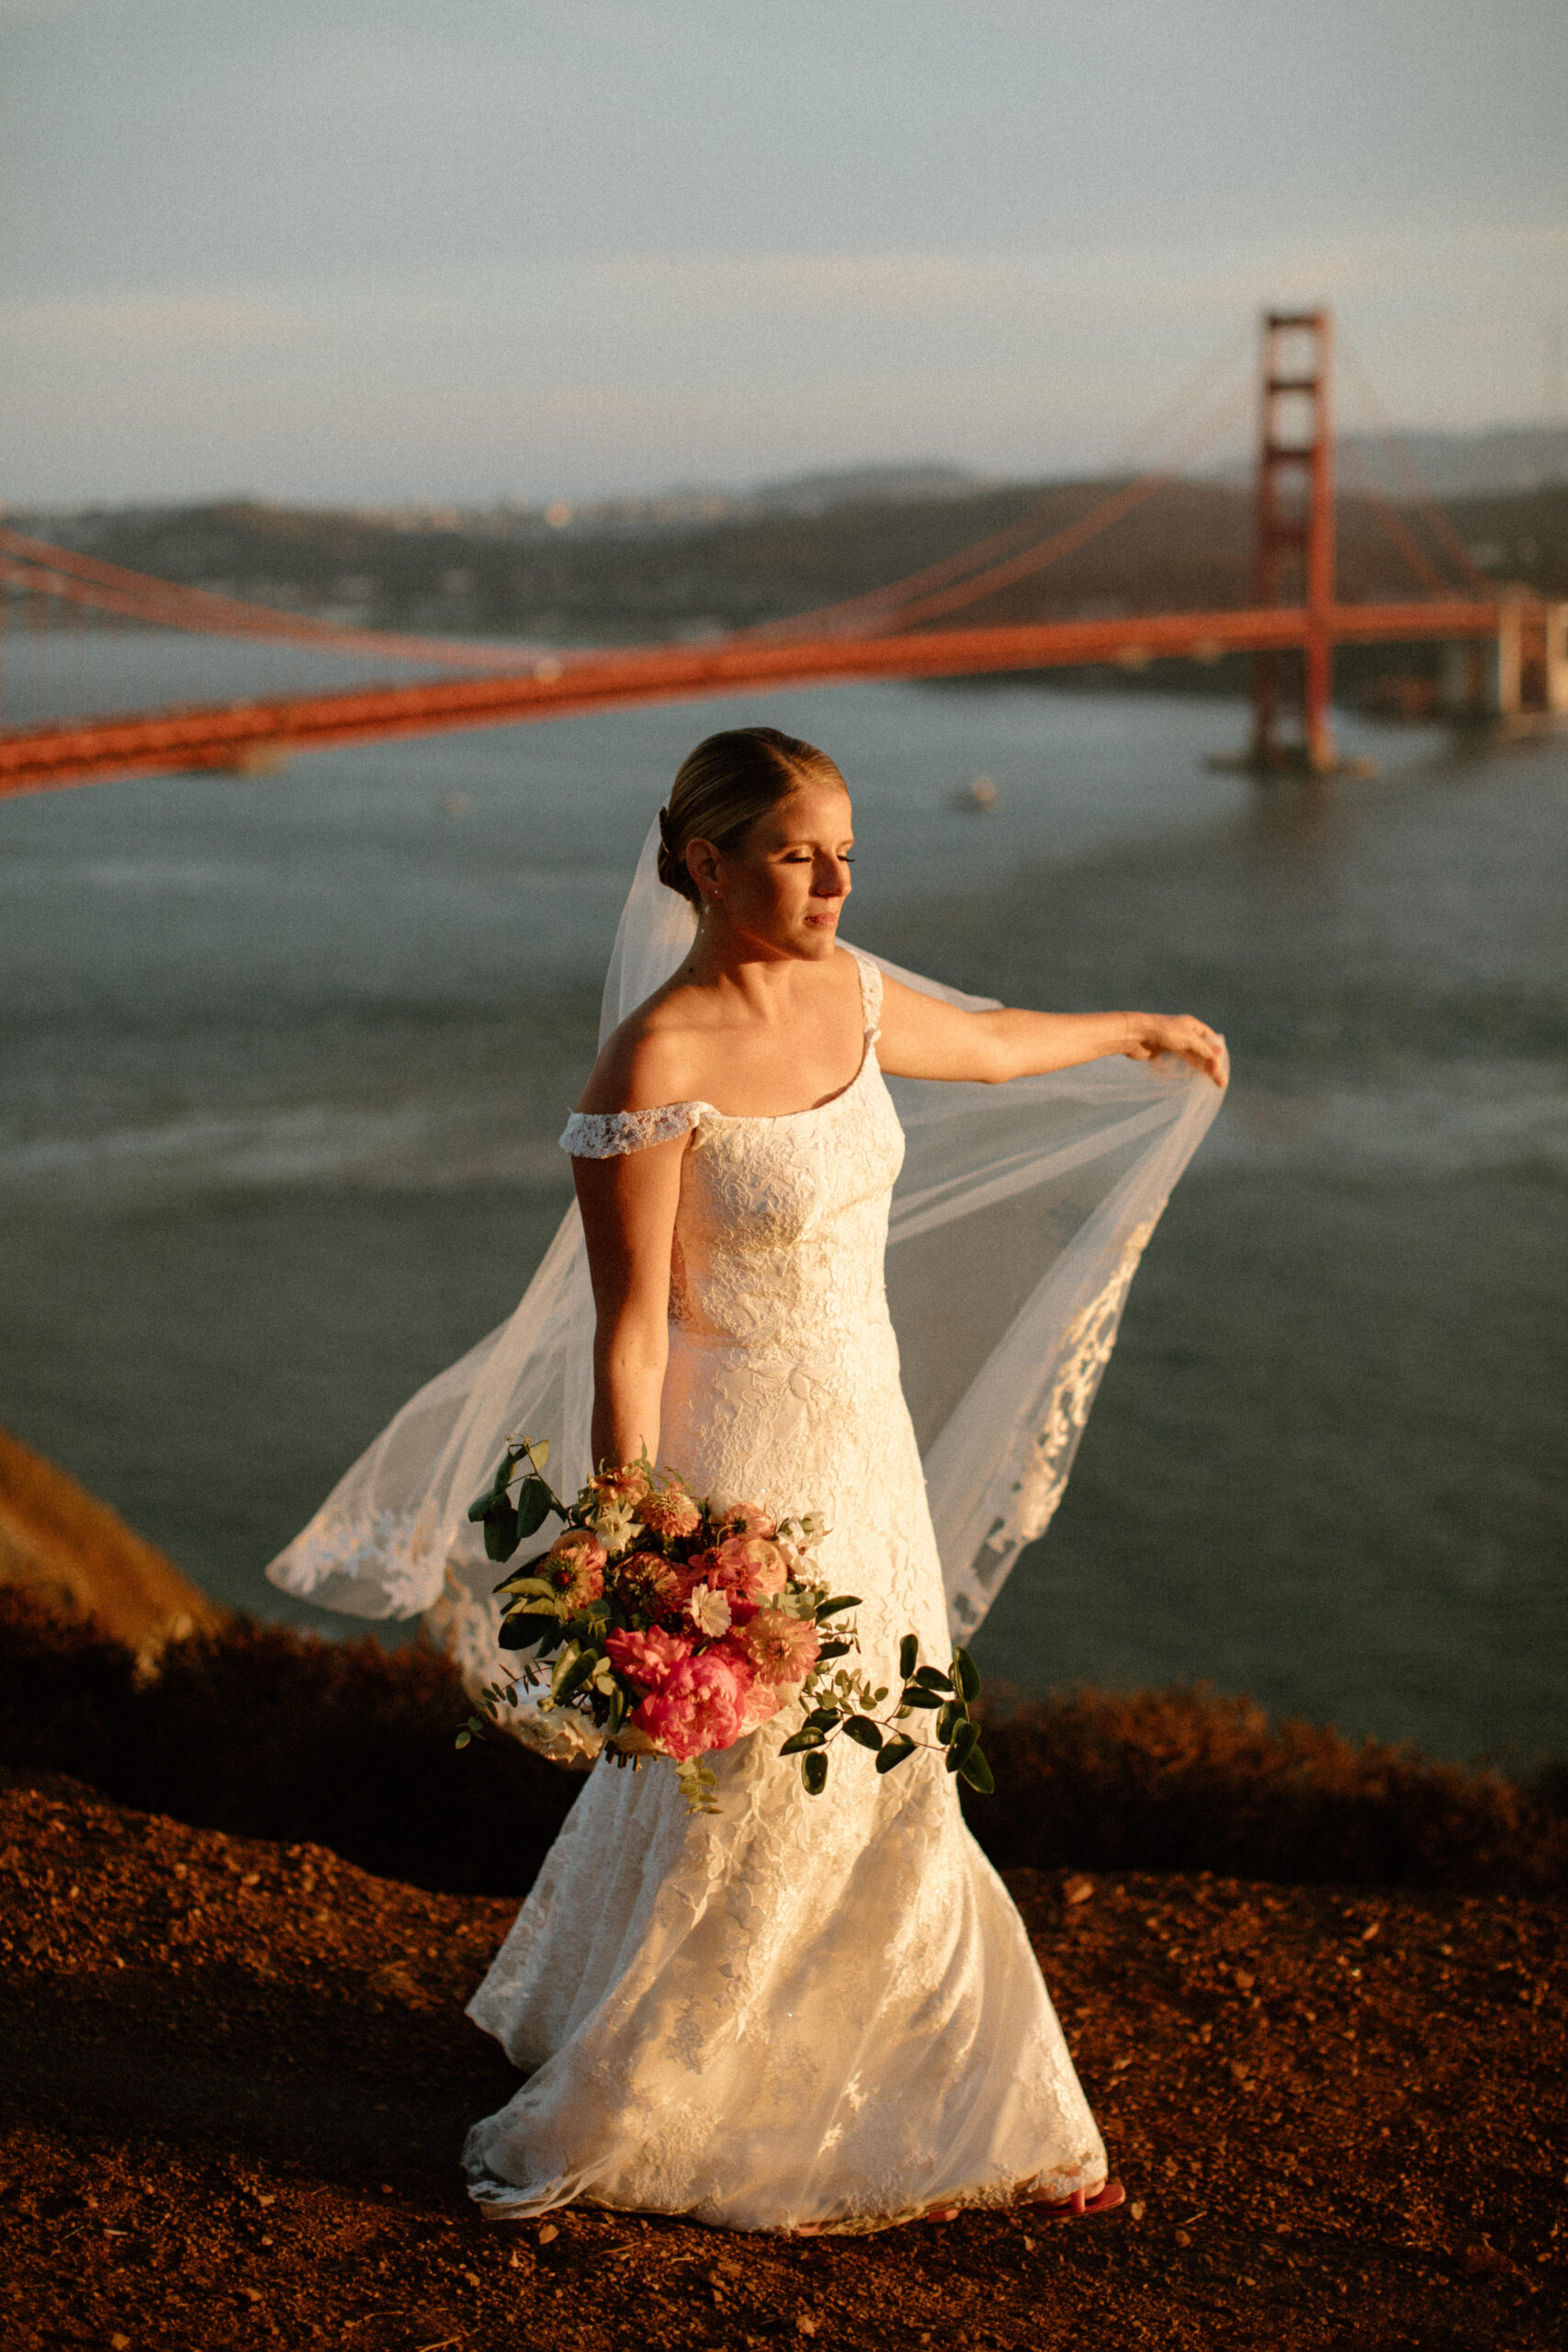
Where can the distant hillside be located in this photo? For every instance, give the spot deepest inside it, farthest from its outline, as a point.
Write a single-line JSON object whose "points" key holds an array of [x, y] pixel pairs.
{"points": [[1491, 464], [1188, 548]]}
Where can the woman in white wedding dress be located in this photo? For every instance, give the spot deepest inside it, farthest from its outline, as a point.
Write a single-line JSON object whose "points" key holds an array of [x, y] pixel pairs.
{"points": [[796, 2012]]}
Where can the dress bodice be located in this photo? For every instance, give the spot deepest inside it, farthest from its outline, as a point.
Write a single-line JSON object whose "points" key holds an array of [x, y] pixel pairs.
{"points": [[782, 1222]]}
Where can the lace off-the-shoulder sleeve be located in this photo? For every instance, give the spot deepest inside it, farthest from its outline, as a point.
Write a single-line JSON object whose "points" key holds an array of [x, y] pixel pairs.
{"points": [[606, 1135]]}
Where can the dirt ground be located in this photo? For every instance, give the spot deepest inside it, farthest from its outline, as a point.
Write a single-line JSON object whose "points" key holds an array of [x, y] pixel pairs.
{"points": [[237, 2076]]}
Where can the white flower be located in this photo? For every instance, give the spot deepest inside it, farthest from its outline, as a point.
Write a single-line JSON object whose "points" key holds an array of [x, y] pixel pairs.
{"points": [[618, 1526], [709, 1611]]}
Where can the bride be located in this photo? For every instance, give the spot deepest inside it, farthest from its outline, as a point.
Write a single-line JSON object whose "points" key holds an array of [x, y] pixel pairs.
{"points": [[798, 2012]]}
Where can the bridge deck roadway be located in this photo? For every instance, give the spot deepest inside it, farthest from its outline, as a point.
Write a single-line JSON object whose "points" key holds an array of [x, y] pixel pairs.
{"points": [[237, 735]]}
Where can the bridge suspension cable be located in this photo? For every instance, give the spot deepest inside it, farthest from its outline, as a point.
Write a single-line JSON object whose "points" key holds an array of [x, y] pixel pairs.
{"points": [[1417, 488], [89, 581], [1404, 539], [1066, 541], [893, 603]]}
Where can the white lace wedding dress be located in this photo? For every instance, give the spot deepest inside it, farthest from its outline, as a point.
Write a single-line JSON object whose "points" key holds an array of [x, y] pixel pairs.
{"points": [[799, 2010]]}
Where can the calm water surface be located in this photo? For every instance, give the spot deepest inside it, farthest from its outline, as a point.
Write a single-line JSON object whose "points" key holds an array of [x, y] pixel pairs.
{"points": [[285, 1060]]}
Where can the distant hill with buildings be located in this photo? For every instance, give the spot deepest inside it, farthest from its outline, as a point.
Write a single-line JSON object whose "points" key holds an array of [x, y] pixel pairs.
{"points": [[703, 563]]}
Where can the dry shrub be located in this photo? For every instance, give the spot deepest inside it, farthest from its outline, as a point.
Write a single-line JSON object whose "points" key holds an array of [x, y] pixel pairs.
{"points": [[1186, 1780], [269, 1733]]}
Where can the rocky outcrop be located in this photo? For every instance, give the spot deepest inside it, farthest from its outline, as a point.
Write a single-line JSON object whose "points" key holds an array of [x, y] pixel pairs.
{"points": [[78, 1554]]}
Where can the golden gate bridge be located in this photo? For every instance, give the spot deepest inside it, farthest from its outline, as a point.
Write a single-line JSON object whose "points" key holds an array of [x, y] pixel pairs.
{"points": [[1507, 651]]}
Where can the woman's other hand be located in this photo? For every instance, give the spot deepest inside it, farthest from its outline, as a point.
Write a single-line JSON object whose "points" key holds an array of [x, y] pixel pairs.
{"points": [[1183, 1033]]}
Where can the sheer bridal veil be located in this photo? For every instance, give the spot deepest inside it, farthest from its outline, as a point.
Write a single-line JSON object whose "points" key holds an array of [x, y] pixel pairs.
{"points": [[1016, 1226]]}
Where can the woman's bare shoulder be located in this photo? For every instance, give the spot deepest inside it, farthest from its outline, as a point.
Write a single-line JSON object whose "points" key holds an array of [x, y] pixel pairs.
{"points": [[648, 1061]]}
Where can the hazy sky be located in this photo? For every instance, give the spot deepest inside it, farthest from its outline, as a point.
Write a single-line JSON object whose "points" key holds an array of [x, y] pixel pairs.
{"points": [[391, 249]]}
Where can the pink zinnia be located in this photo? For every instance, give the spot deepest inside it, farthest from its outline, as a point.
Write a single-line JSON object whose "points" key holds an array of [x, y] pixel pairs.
{"points": [[575, 1566], [781, 1648], [673, 1514], [700, 1705], [650, 1584]]}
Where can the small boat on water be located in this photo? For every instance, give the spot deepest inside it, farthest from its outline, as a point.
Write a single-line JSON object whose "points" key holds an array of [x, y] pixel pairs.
{"points": [[980, 795]]}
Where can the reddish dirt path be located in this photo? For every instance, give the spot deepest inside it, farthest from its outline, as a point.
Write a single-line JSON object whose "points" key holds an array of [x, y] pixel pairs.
{"points": [[237, 2076]]}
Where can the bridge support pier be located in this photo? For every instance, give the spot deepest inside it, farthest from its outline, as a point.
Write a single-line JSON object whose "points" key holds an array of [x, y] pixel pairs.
{"points": [[1522, 669], [1555, 657]]}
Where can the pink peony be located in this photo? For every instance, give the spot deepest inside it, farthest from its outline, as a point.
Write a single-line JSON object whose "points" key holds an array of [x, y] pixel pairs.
{"points": [[762, 1701], [740, 1519], [574, 1564], [649, 1658], [749, 1565], [700, 1705], [781, 1648], [673, 1514]]}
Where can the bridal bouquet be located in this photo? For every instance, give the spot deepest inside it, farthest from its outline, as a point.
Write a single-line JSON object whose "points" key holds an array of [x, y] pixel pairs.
{"points": [[676, 1624]]}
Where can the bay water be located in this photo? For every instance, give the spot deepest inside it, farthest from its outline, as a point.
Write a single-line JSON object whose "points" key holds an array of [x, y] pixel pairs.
{"points": [[285, 1059]]}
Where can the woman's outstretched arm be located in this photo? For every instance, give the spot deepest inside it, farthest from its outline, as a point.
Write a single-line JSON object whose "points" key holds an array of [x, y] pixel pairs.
{"points": [[628, 1208], [923, 1037]]}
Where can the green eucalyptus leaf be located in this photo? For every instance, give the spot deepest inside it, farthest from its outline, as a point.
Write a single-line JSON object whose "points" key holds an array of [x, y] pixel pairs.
{"points": [[803, 1741], [908, 1655], [534, 1504], [464, 1737], [839, 1600], [497, 1487], [965, 1739], [947, 1718], [895, 1751], [814, 1773], [863, 1732], [932, 1677], [576, 1675], [520, 1631], [835, 1649], [977, 1772], [500, 1529], [916, 1695], [965, 1675], [825, 1717]]}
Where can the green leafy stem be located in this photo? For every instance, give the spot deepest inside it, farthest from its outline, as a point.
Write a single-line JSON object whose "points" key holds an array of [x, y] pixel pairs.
{"points": [[844, 1707]]}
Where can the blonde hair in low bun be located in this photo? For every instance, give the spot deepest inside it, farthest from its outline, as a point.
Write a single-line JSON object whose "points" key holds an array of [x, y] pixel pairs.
{"points": [[725, 786]]}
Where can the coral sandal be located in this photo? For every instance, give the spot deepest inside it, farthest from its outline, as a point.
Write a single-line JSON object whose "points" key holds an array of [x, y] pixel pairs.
{"points": [[1078, 2207]]}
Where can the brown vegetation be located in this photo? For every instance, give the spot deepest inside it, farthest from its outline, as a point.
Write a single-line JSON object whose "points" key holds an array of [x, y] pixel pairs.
{"points": [[269, 1733]]}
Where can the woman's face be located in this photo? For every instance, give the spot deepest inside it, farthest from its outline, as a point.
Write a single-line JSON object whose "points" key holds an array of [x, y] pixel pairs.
{"points": [[786, 885]]}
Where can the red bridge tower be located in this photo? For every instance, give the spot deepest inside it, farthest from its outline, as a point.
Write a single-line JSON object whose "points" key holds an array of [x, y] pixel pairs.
{"points": [[1292, 691]]}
